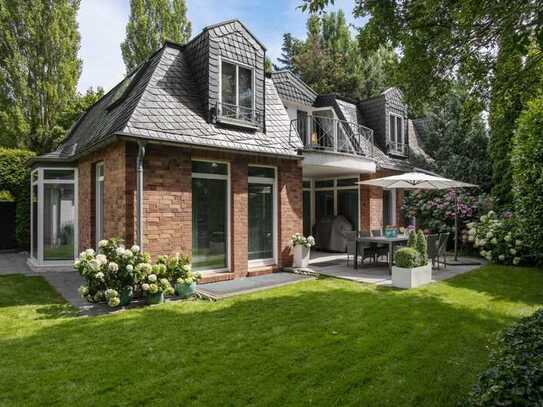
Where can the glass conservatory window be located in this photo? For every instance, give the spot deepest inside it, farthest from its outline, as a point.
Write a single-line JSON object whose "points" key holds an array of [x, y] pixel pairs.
{"points": [[54, 214]]}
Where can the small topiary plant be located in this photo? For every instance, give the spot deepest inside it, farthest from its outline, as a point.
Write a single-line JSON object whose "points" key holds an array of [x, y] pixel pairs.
{"points": [[422, 248], [406, 257], [412, 242]]}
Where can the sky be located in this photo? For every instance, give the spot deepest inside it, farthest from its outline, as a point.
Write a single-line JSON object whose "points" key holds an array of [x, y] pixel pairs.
{"points": [[102, 26]]}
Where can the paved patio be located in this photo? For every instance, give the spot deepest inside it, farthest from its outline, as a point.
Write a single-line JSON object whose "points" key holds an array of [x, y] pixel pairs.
{"points": [[335, 265]]}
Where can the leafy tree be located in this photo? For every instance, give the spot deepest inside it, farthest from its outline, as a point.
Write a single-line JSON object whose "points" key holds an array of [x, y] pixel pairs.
{"points": [[150, 23], [456, 138], [39, 69], [528, 176], [330, 60]]}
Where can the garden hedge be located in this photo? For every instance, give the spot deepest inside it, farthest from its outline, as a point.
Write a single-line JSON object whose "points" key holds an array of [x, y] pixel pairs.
{"points": [[515, 373], [527, 159], [15, 178]]}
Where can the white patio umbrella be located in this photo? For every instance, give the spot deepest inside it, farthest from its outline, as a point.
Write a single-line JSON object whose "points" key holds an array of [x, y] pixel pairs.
{"points": [[420, 180]]}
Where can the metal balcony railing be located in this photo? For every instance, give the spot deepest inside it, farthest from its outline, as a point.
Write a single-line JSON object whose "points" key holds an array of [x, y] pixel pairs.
{"points": [[238, 115], [394, 147], [330, 134]]}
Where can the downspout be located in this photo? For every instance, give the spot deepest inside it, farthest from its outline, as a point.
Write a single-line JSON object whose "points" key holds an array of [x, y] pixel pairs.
{"points": [[139, 194]]}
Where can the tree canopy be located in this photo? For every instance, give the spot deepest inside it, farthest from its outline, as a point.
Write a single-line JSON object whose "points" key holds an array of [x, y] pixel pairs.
{"points": [[39, 70], [151, 22]]}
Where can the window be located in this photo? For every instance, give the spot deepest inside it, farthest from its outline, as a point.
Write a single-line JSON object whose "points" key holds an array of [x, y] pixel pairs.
{"points": [[324, 204], [307, 207], [347, 205], [54, 215], [237, 92], [396, 136], [210, 216], [262, 219], [99, 204], [301, 125]]}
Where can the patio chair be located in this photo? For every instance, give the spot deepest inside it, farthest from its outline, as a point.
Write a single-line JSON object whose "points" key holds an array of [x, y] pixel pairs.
{"points": [[364, 249], [433, 248], [442, 248], [380, 249]]}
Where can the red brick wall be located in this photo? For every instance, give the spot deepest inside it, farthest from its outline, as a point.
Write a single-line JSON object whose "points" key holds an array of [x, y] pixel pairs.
{"points": [[167, 201], [116, 221]]}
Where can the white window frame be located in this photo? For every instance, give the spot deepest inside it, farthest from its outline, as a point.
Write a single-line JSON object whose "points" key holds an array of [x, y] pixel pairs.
{"points": [[399, 140], [226, 177], [273, 182], [237, 65], [40, 182], [98, 215]]}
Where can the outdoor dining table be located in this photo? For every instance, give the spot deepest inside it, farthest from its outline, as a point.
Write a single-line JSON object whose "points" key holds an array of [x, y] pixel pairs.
{"points": [[391, 241]]}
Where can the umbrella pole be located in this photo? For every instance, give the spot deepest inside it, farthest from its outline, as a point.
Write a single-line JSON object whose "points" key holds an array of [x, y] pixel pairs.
{"points": [[456, 227]]}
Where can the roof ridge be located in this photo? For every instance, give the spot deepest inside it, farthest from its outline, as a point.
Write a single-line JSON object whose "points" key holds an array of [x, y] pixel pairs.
{"points": [[299, 80]]}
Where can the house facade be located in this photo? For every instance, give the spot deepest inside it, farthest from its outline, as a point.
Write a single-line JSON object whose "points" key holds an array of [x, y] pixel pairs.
{"points": [[198, 151]]}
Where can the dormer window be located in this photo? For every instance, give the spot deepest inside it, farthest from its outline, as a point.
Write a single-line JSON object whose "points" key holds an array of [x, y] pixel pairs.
{"points": [[237, 96], [396, 138]]}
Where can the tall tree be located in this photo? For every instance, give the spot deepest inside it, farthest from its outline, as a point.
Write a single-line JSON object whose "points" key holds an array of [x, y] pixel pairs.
{"points": [[150, 23], [288, 51], [77, 106], [330, 60], [39, 69]]}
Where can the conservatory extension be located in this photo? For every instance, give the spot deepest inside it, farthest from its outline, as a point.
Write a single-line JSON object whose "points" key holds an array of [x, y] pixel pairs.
{"points": [[53, 216]]}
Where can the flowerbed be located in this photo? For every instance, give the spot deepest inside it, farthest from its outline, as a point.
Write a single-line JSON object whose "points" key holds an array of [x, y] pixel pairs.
{"points": [[116, 274]]}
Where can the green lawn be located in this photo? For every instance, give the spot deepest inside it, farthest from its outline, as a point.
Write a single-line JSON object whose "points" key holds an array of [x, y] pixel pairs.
{"points": [[326, 342]]}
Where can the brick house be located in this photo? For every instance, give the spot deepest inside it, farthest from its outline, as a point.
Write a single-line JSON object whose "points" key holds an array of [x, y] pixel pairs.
{"points": [[198, 151]]}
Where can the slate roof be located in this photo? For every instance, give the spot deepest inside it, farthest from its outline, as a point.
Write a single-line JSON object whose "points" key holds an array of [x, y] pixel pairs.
{"points": [[160, 101], [293, 89]]}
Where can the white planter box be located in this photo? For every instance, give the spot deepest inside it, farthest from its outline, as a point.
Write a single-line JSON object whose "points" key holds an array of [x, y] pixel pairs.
{"points": [[411, 278], [301, 256]]}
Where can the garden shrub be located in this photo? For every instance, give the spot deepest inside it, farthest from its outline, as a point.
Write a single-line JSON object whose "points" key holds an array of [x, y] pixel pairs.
{"points": [[178, 269], [15, 178], [527, 158], [406, 257], [515, 373], [422, 248], [497, 238]]}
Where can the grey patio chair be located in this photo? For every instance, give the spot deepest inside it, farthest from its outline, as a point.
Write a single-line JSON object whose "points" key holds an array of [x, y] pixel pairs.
{"points": [[433, 248], [442, 248], [380, 249], [364, 249]]}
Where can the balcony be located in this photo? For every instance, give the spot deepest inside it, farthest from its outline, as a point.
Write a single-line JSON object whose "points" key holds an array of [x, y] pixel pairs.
{"points": [[397, 148], [327, 134], [237, 115]]}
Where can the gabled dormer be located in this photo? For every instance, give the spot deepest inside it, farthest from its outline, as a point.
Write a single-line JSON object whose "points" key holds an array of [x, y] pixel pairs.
{"points": [[386, 114], [228, 63]]}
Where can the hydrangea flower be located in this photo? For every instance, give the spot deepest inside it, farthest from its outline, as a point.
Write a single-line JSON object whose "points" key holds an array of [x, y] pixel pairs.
{"points": [[89, 252], [110, 293], [83, 291], [135, 248], [119, 251], [501, 257], [101, 259], [513, 251], [100, 276], [113, 301], [152, 278], [113, 267], [494, 241], [145, 287], [516, 260], [102, 243], [129, 268], [153, 288]]}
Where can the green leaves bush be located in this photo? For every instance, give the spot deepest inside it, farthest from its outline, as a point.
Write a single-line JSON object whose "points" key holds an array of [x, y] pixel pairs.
{"points": [[527, 158], [406, 257], [15, 178], [515, 373]]}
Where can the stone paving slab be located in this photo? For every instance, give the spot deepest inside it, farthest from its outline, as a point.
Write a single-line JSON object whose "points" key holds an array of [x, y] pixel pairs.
{"points": [[224, 289]]}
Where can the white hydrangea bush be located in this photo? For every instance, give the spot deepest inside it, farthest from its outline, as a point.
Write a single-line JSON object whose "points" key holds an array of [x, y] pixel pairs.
{"points": [[111, 270], [495, 238], [156, 281], [298, 239]]}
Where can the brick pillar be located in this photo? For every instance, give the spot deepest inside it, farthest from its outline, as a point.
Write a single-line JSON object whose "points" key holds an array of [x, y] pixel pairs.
{"points": [[239, 217], [371, 204], [290, 207]]}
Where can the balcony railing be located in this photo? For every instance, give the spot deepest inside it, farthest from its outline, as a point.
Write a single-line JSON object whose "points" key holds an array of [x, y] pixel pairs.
{"points": [[237, 115], [397, 148], [330, 134]]}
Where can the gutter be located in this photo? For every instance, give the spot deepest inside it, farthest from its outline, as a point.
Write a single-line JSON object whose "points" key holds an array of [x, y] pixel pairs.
{"points": [[139, 193]]}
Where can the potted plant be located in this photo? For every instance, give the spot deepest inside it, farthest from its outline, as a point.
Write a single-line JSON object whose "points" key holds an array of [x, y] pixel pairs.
{"points": [[301, 248], [411, 266], [179, 273], [155, 285], [390, 231]]}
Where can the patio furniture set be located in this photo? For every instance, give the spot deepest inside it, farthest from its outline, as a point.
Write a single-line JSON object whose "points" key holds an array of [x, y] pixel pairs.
{"points": [[373, 245]]}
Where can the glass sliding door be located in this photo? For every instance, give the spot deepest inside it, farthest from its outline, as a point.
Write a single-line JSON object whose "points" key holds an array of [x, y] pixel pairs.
{"points": [[324, 204], [261, 210], [307, 213], [347, 205], [210, 207], [389, 207]]}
